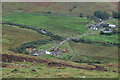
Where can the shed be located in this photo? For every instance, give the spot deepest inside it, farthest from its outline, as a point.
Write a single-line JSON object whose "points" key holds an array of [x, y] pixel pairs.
{"points": [[47, 52], [35, 54], [43, 31]]}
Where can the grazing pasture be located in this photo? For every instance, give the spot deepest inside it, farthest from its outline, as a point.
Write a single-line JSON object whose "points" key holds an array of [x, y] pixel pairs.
{"points": [[60, 25]]}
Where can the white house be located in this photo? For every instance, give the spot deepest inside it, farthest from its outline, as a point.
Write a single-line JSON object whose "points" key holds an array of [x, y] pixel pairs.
{"points": [[47, 52], [35, 54], [100, 20], [43, 31], [112, 26], [95, 28]]}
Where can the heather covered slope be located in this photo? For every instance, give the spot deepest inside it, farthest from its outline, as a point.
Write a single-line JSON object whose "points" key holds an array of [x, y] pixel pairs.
{"points": [[70, 8], [18, 66]]}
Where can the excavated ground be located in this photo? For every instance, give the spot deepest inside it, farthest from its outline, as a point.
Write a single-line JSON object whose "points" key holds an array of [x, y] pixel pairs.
{"points": [[14, 58]]}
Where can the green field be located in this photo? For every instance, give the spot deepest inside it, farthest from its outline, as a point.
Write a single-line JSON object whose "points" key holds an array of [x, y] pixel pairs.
{"points": [[61, 25], [103, 38], [52, 23], [96, 53]]}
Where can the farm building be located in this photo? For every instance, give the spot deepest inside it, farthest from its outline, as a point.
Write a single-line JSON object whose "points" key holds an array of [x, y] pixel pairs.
{"points": [[107, 31], [112, 26], [104, 25], [43, 31], [47, 52], [35, 54], [91, 26], [95, 28], [101, 26]]}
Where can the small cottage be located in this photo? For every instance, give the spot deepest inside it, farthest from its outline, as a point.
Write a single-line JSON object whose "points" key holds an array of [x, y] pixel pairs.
{"points": [[104, 25], [47, 52], [112, 26], [107, 31]]}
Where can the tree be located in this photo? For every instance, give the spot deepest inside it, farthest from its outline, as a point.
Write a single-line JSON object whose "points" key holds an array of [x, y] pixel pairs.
{"points": [[97, 13], [105, 15], [26, 52], [49, 12], [100, 14], [114, 31], [70, 10], [101, 32], [116, 14], [88, 16], [81, 14], [74, 6]]}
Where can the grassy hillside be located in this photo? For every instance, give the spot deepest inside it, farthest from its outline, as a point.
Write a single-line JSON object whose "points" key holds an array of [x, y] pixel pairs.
{"points": [[14, 36], [72, 8], [80, 60], [42, 71], [96, 52], [60, 25], [103, 38], [70, 26]]}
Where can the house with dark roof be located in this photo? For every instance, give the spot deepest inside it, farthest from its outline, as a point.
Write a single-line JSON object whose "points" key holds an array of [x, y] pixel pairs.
{"points": [[107, 31], [91, 26], [104, 25]]}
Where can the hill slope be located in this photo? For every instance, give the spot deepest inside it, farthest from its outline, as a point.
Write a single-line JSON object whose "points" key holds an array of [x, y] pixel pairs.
{"points": [[14, 36], [72, 8]]}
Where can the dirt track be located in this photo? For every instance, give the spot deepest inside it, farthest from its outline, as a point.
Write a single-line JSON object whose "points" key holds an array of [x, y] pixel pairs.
{"points": [[11, 58]]}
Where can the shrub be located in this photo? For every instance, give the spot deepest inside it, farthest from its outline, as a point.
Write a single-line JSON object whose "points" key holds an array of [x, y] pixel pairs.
{"points": [[101, 32], [102, 15]]}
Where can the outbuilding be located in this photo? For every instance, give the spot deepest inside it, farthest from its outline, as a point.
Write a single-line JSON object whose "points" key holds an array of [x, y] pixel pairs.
{"points": [[47, 52], [35, 54], [107, 31], [112, 26]]}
